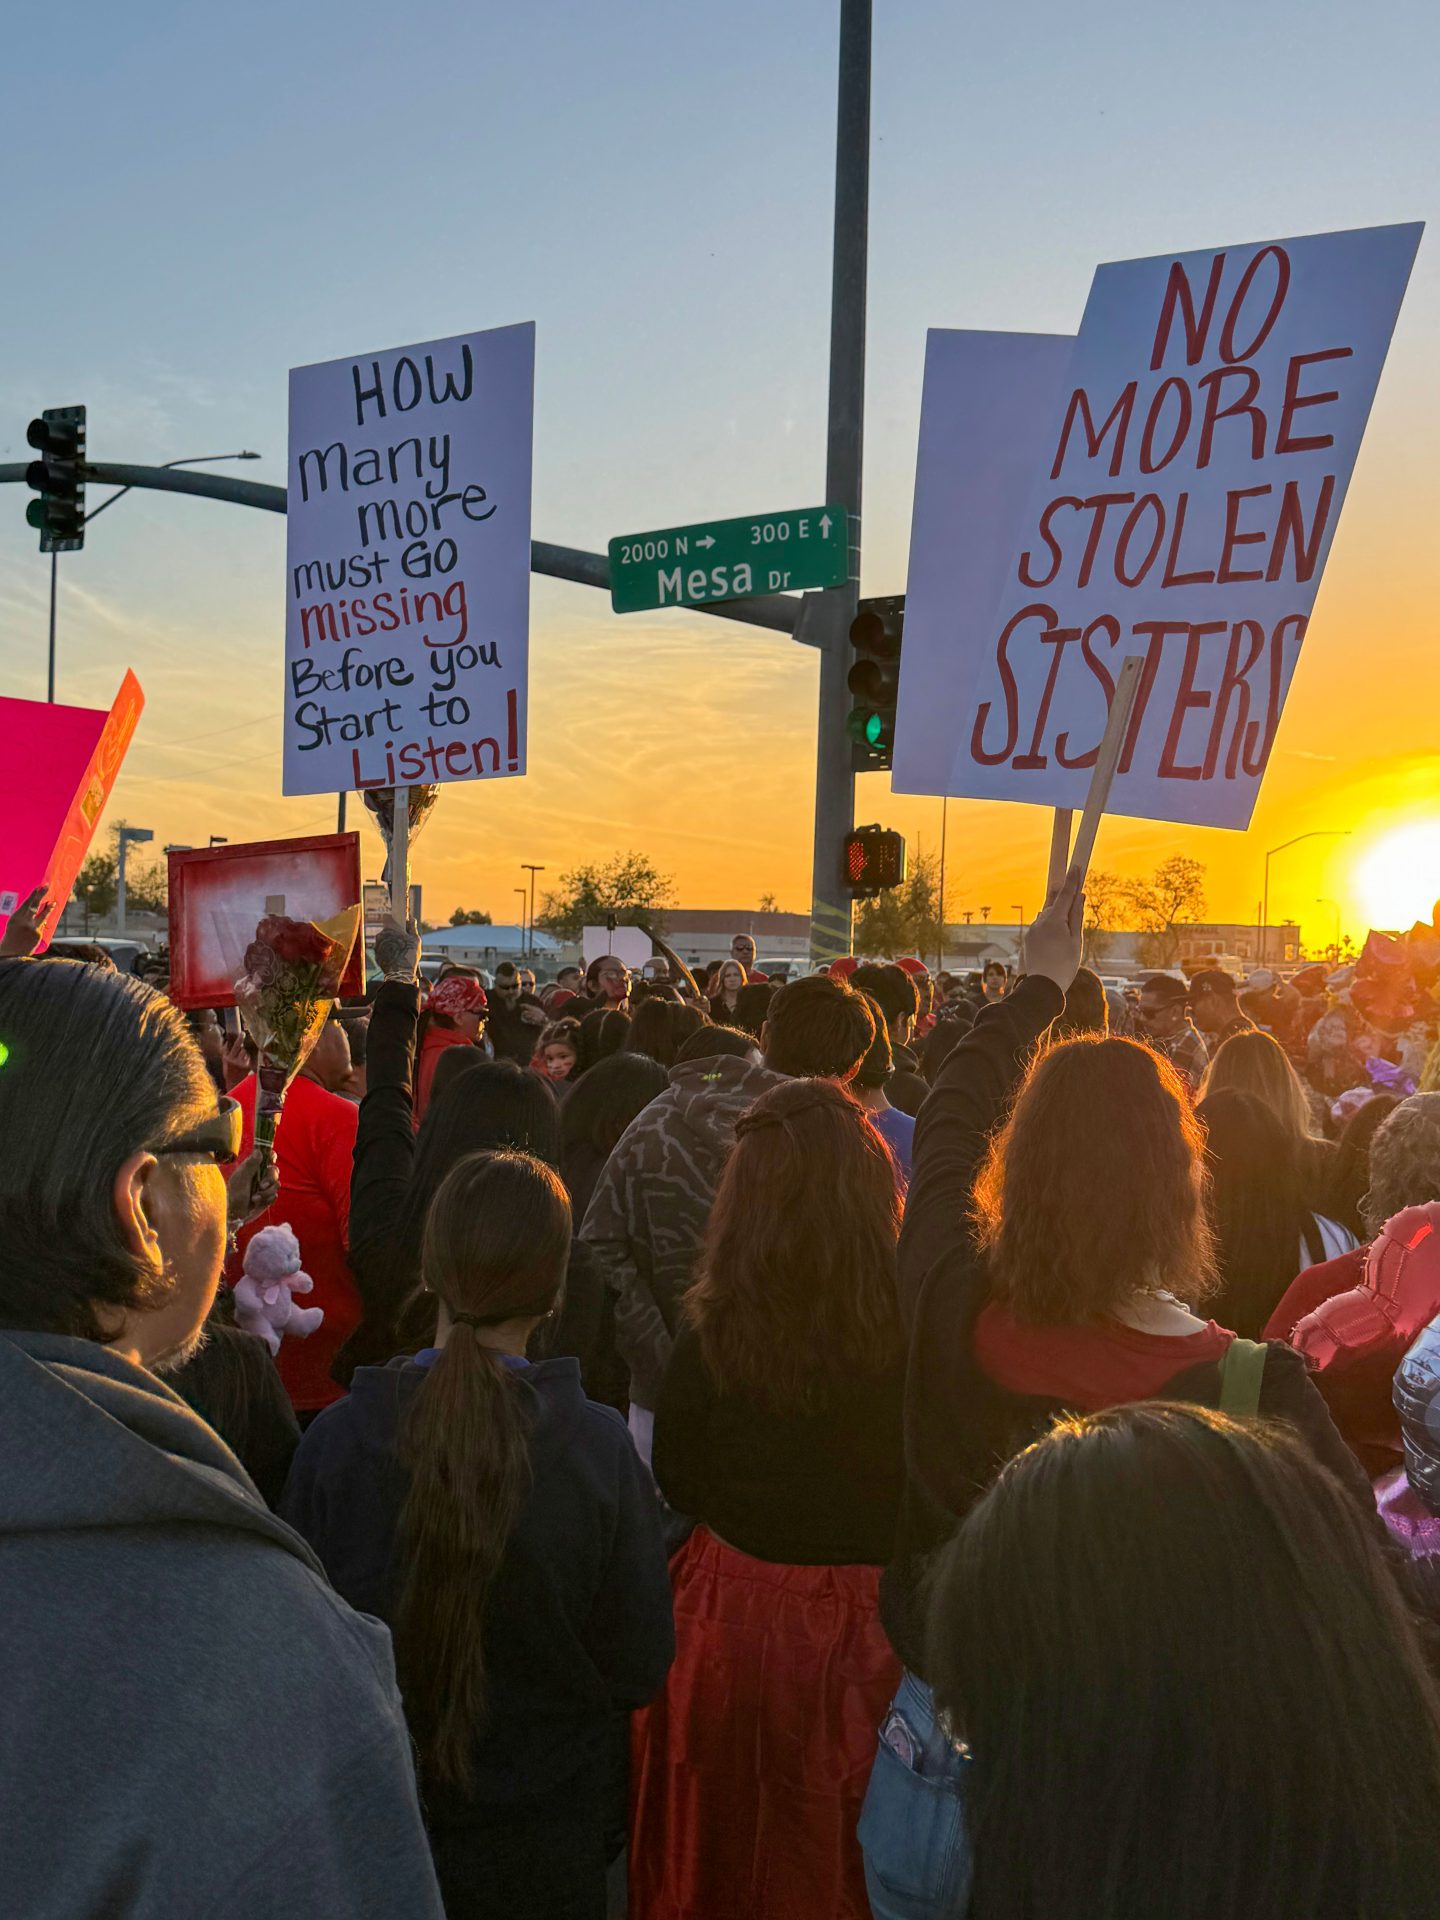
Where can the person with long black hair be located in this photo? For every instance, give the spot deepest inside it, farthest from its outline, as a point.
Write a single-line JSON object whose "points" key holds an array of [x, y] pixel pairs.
{"points": [[1185, 1683], [478, 1105], [503, 1526], [1265, 1230], [778, 1428]]}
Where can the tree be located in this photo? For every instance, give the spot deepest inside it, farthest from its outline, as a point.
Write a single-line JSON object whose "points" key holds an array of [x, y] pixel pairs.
{"points": [[903, 919], [626, 885], [95, 886], [470, 917], [1173, 896], [1105, 909], [768, 904]]}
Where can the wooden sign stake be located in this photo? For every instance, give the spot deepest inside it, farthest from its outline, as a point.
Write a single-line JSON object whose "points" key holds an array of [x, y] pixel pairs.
{"points": [[400, 858], [1116, 728]]}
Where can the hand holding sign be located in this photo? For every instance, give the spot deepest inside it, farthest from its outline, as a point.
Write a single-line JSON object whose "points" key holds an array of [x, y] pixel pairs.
{"points": [[1055, 937], [24, 929]]}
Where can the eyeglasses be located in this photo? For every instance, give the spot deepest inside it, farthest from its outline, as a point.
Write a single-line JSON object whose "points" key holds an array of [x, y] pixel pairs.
{"points": [[216, 1139]]}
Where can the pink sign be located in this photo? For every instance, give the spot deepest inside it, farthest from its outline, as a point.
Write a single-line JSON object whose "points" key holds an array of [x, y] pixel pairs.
{"points": [[56, 776], [219, 895]]}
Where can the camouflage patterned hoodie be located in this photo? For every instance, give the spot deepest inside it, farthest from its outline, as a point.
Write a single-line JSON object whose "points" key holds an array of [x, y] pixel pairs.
{"points": [[648, 1213]]}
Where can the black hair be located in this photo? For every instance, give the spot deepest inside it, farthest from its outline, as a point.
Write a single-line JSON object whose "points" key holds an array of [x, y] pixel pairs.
{"points": [[659, 1027], [1086, 1009], [602, 1032], [86, 950], [1189, 1681], [96, 1066], [1258, 1208], [599, 1107], [1350, 1168], [879, 1063], [496, 1246], [706, 1043], [890, 987], [752, 1004]]}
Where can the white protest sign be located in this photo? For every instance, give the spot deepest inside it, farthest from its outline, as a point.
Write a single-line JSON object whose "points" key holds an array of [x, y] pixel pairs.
{"points": [[1213, 408], [986, 416], [408, 564], [626, 943]]}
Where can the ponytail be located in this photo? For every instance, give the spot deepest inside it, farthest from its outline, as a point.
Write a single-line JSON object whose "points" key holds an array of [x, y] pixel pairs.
{"points": [[464, 1446], [496, 1244]]}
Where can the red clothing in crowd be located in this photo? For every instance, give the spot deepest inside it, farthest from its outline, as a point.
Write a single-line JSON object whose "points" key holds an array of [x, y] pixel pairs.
{"points": [[314, 1147], [436, 1040], [1108, 1365], [1311, 1289]]}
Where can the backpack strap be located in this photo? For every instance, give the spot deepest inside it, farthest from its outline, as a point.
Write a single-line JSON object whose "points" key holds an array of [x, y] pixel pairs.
{"points": [[1242, 1370]]}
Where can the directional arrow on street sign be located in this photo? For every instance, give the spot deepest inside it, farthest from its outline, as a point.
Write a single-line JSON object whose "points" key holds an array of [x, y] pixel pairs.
{"points": [[730, 559]]}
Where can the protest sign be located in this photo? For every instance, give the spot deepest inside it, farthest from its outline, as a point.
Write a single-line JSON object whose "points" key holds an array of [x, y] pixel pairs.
{"points": [[629, 944], [56, 773], [985, 422], [408, 564], [219, 895], [1184, 507]]}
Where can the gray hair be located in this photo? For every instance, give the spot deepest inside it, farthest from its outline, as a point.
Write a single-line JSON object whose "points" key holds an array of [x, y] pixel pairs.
{"points": [[95, 1067], [1404, 1161]]}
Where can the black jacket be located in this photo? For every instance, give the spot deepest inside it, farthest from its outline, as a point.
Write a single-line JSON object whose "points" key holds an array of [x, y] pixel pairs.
{"points": [[801, 1489], [960, 1427], [384, 1243], [578, 1623]]}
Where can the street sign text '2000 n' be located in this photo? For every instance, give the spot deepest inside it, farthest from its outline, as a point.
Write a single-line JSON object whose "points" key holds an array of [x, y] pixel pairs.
{"points": [[729, 559]]}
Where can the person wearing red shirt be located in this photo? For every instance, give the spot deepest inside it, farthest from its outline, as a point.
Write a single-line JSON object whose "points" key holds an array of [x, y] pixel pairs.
{"points": [[314, 1145], [742, 950], [454, 1016]]}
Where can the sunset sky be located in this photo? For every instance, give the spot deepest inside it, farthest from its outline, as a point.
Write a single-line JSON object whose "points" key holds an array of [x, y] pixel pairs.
{"points": [[238, 191]]}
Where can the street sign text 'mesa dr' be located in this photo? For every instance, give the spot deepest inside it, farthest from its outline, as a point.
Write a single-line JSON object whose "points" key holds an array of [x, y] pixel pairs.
{"points": [[728, 559]]}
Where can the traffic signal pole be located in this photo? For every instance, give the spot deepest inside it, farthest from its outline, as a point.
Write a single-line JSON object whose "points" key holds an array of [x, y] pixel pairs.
{"points": [[830, 903], [54, 583]]}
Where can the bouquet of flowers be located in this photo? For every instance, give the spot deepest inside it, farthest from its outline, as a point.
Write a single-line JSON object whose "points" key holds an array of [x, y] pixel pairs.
{"points": [[292, 974], [381, 802]]}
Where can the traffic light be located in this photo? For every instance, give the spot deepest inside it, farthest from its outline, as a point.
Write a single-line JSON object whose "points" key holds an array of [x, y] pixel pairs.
{"points": [[872, 859], [875, 633], [58, 476]]}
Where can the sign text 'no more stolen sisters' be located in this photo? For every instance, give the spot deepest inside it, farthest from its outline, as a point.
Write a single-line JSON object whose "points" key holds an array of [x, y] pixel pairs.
{"points": [[1182, 503], [408, 564]]}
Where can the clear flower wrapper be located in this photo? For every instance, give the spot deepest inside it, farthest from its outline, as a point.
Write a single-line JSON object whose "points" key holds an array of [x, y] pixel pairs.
{"points": [[287, 981]]}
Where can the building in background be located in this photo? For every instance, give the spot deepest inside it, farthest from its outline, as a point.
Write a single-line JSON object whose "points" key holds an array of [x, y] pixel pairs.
{"points": [[702, 934]]}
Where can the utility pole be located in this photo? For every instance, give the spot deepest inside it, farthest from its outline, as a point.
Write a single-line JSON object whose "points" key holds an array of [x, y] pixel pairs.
{"points": [[532, 869], [830, 904]]}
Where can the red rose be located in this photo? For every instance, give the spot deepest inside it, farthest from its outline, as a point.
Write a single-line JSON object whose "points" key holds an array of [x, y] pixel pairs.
{"points": [[298, 942]]}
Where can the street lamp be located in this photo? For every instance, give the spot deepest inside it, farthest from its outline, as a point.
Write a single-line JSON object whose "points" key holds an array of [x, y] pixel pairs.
{"points": [[194, 460], [1318, 833], [1325, 902], [529, 866], [521, 892], [124, 835]]}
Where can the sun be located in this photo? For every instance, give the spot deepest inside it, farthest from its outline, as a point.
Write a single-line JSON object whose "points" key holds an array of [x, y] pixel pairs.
{"points": [[1398, 878]]}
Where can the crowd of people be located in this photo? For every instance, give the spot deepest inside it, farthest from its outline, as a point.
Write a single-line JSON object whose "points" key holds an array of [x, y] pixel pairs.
{"points": [[874, 1444]]}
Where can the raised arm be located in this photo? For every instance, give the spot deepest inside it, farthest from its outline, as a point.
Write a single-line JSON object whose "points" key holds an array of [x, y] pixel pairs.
{"points": [[385, 1136], [973, 1090]]}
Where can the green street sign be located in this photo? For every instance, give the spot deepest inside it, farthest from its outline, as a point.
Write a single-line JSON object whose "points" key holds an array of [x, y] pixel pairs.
{"points": [[730, 559]]}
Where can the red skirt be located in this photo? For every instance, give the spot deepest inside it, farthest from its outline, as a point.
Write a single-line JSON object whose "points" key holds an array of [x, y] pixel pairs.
{"points": [[748, 1772]]}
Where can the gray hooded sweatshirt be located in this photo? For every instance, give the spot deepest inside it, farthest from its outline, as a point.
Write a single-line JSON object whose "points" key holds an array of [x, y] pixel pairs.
{"points": [[192, 1723]]}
